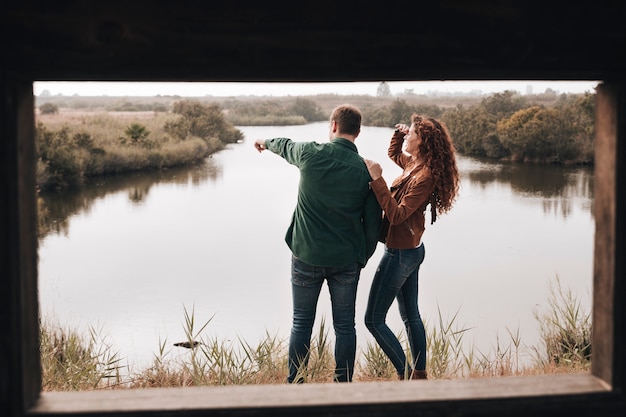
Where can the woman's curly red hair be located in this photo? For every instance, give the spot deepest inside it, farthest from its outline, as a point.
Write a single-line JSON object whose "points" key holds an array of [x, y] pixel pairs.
{"points": [[439, 154]]}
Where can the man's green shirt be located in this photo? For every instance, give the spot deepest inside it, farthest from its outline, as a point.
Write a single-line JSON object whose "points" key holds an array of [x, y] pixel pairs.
{"points": [[337, 217]]}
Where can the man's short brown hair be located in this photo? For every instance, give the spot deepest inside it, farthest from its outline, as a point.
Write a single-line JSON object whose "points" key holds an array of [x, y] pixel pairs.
{"points": [[348, 118]]}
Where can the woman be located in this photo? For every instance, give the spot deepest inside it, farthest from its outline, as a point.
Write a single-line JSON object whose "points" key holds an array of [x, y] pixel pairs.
{"points": [[429, 176]]}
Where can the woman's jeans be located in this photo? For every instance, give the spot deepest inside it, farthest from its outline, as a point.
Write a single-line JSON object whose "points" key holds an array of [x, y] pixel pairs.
{"points": [[397, 278], [306, 284]]}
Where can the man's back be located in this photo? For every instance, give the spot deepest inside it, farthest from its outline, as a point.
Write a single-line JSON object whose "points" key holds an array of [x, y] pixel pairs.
{"points": [[327, 228], [336, 212]]}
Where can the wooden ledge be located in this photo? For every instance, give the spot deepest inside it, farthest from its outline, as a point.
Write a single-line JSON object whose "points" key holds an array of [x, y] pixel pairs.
{"points": [[375, 398]]}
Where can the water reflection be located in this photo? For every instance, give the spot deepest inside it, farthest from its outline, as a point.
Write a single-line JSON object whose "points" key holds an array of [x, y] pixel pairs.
{"points": [[559, 187], [60, 206]]}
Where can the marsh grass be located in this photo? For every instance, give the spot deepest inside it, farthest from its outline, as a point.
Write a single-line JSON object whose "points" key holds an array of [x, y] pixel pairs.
{"points": [[565, 329], [70, 362], [74, 146], [216, 362], [375, 365], [105, 128], [445, 348]]}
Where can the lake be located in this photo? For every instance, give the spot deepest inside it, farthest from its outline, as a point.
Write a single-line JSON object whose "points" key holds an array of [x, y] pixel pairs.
{"points": [[128, 255]]}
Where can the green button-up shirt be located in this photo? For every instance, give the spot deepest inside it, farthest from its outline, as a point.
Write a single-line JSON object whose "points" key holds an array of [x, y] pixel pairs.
{"points": [[337, 217]]}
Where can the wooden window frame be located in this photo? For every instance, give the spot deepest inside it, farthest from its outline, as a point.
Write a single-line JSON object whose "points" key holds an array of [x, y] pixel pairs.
{"points": [[163, 40], [597, 393]]}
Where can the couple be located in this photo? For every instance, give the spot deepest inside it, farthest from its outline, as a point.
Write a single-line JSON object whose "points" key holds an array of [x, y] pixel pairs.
{"points": [[337, 223]]}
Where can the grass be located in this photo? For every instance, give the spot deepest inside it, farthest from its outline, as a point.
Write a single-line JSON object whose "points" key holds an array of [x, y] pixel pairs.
{"points": [[73, 363], [74, 146], [565, 330]]}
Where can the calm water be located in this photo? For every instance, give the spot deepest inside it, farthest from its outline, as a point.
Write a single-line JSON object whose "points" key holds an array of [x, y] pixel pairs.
{"points": [[129, 255]]}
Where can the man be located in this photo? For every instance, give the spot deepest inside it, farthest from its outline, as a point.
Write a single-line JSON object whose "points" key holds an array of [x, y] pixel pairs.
{"points": [[333, 232]]}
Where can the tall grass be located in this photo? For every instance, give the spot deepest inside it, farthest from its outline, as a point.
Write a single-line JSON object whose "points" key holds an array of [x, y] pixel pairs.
{"points": [[375, 365], [71, 363], [565, 331], [73, 147]]}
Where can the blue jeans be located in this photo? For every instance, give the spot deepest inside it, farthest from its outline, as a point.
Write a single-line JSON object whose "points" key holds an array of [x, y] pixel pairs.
{"points": [[306, 284], [397, 278]]}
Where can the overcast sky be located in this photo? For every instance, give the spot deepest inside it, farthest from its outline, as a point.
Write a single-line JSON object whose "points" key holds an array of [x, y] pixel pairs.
{"points": [[223, 89]]}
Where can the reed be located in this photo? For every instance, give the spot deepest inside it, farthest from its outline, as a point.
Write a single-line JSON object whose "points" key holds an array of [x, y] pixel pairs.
{"points": [[445, 348], [70, 362], [565, 331], [374, 364], [211, 361], [73, 362]]}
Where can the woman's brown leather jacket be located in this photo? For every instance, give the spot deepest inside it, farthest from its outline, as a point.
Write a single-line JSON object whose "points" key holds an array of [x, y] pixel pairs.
{"points": [[405, 202]]}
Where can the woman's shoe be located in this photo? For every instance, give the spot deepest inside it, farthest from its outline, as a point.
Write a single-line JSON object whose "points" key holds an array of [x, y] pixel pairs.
{"points": [[419, 374], [415, 374]]}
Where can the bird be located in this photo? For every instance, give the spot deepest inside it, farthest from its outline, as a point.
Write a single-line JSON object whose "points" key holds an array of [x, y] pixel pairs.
{"points": [[188, 344]]}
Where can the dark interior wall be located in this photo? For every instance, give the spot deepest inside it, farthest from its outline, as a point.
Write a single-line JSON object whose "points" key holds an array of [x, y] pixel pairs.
{"points": [[317, 40], [256, 41]]}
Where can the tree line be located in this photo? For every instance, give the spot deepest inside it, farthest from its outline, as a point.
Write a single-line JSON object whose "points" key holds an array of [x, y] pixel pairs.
{"points": [[508, 126], [503, 126]]}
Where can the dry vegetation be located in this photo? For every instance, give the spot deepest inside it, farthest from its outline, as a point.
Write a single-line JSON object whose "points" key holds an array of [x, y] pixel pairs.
{"points": [[72, 362]]}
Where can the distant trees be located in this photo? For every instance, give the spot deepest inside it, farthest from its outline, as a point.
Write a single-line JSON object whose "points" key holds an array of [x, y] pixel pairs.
{"points": [[501, 104], [308, 109], [383, 90], [206, 122], [49, 108], [399, 111], [473, 131], [506, 126], [129, 106], [274, 112], [502, 126]]}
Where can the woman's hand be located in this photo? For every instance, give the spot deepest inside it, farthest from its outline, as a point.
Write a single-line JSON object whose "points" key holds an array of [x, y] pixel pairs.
{"points": [[376, 171], [402, 128]]}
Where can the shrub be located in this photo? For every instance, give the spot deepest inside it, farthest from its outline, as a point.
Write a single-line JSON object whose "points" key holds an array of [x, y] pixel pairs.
{"points": [[60, 160], [49, 108], [203, 121], [308, 109], [138, 135]]}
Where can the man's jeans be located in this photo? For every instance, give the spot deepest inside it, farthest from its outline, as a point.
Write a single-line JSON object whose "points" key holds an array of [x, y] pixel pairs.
{"points": [[306, 284], [397, 278]]}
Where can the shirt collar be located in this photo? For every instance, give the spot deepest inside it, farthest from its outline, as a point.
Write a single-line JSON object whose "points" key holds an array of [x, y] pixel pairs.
{"points": [[345, 143]]}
